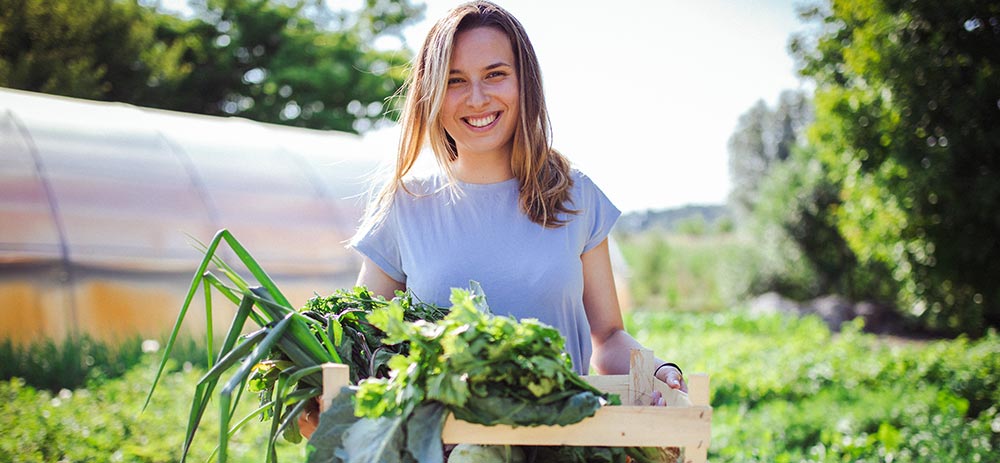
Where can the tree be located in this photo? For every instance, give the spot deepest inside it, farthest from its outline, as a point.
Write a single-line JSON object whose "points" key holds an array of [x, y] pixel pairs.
{"points": [[287, 62], [763, 139], [907, 99], [82, 48], [290, 63]]}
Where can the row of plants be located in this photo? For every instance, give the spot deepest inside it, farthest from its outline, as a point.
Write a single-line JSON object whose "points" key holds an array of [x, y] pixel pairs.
{"points": [[787, 389], [783, 389], [78, 360]]}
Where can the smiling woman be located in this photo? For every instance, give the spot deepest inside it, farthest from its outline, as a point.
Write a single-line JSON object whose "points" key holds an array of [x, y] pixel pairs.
{"points": [[504, 208]]}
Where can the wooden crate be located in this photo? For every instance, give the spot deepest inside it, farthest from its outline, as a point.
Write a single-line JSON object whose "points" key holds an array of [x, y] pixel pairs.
{"points": [[685, 422]]}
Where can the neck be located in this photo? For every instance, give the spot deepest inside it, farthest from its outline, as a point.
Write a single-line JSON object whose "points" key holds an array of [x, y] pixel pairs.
{"points": [[483, 167]]}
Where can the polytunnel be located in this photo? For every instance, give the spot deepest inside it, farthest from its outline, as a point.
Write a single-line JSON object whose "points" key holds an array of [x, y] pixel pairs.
{"points": [[100, 204]]}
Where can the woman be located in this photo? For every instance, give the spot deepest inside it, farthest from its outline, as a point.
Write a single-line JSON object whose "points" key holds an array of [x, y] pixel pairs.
{"points": [[506, 209]]}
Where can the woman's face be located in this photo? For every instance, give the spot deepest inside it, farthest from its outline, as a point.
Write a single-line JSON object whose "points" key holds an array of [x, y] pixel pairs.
{"points": [[481, 105]]}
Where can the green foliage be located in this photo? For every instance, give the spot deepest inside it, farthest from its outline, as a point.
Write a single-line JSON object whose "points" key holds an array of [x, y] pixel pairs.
{"points": [[783, 390], [77, 47], [478, 367], [787, 390], [804, 252], [77, 360], [784, 202], [103, 423], [486, 369], [906, 104], [685, 272], [295, 63]]}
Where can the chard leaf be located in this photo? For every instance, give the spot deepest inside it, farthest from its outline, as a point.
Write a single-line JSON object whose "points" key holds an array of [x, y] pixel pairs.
{"points": [[378, 440], [518, 412], [423, 433], [333, 423]]}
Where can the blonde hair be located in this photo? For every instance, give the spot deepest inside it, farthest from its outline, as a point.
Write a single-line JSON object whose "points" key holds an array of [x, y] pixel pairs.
{"points": [[542, 173]]}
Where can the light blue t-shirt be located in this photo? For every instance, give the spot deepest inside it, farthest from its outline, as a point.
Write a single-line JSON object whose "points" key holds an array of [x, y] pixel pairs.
{"points": [[436, 240]]}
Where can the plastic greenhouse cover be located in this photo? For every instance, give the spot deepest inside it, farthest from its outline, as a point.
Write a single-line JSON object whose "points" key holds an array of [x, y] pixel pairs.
{"points": [[115, 186]]}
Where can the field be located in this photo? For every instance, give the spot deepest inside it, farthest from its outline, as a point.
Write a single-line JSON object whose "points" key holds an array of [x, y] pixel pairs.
{"points": [[784, 389]]}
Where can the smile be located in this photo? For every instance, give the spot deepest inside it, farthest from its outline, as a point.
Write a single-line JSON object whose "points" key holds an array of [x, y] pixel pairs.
{"points": [[480, 122]]}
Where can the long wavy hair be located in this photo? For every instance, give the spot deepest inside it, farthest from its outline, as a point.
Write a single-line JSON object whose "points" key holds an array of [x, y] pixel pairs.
{"points": [[542, 172]]}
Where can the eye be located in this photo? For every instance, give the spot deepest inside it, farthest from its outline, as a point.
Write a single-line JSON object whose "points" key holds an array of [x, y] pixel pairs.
{"points": [[496, 74], [455, 80]]}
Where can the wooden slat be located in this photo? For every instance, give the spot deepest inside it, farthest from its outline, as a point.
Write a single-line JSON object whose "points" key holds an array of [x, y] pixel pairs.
{"points": [[698, 388], [641, 385], [612, 384], [621, 426], [335, 377]]}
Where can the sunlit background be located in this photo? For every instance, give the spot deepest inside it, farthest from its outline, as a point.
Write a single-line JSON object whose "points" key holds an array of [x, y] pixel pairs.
{"points": [[824, 249], [644, 92]]}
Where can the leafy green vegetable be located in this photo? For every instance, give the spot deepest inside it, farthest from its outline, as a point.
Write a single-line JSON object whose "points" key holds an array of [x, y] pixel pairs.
{"points": [[482, 368], [282, 360], [485, 369], [334, 423]]}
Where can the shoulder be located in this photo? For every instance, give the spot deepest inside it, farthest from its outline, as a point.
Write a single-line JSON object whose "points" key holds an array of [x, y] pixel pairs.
{"points": [[423, 184], [577, 176], [583, 185]]}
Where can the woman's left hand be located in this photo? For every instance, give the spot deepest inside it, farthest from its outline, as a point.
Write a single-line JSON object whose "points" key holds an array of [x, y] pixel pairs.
{"points": [[673, 378]]}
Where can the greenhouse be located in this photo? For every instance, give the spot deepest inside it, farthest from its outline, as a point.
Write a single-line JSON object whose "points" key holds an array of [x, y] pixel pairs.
{"points": [[102, 204]]}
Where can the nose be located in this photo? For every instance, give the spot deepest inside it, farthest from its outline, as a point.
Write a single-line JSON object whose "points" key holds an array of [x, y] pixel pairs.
{"points": [[478, 96]]}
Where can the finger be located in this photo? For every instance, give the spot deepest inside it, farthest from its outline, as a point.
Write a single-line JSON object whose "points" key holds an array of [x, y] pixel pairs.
{"points": [[674, 379], [657, 397]]}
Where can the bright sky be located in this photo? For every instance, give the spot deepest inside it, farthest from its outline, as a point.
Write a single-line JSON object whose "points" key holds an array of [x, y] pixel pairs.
{"points": [[644, 94]]}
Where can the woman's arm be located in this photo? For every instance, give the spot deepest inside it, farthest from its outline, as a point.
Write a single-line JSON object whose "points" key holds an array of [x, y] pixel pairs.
{"points": [[377, 281], [612, 344]]}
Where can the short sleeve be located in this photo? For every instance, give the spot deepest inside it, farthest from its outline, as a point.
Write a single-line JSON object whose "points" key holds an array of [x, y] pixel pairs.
{"points": [[380, 243], [599, 211]]}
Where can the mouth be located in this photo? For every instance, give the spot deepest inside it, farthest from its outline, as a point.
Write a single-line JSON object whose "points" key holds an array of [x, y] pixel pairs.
{"points": [[482, 122]]}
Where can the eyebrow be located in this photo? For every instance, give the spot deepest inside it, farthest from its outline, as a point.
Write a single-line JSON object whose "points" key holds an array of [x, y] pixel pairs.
{"points": [[498, 64]]}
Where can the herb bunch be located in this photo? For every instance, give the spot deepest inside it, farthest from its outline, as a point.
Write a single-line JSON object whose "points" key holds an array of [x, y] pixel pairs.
{"points": [[485, 369], [482, 368]]}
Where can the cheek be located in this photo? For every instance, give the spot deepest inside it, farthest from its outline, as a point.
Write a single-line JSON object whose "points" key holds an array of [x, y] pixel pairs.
{"points": [[512, 95], [449, 105]]}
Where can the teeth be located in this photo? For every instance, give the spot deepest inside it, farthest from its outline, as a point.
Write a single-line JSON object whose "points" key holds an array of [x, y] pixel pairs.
{"points": [[482, 121]]}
